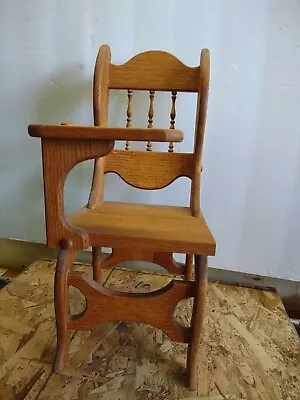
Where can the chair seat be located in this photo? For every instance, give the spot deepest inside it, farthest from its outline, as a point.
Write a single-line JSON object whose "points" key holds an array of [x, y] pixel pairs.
{"points": [[159, 228]]}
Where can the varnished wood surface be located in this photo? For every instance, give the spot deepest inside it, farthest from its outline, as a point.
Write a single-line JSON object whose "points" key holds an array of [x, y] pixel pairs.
{"points": [[129, 115], [116, 305], [149, 170], [156, 70], [172, 119], [142, 172], [146, 172], [73, 132], [197, 319], [97, 264], [138, 307], [150, 116], [100, 112], [59, 157], [250, 349], [100, 86], [159, 228], [65, 260], [165, 260], [202, 101]]}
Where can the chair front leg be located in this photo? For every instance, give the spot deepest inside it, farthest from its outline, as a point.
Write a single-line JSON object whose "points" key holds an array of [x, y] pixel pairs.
{"points": [[65, 262], [197, 319]]}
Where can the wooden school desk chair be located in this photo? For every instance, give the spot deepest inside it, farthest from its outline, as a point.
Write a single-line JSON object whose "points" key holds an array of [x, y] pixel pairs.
{"points": [[139, 232]]}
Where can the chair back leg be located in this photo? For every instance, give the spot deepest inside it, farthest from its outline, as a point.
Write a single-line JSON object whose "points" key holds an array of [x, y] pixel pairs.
{"points": [[197, 320]]}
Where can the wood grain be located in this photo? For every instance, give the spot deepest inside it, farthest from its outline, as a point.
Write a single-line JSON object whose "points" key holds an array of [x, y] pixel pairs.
{"points": [[100, 111], [134, 167], [116, 306], [197, 320], [202, 100], [73, 132], [100, 86], [165, 260], [189, 267], [159, 228], [69, 153], [156, 70], [250, 349], [65, 262], [97, 188], [97, 264]]}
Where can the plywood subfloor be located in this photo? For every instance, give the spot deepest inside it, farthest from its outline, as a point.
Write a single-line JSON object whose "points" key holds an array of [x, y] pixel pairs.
{"points": [[250, 349]]}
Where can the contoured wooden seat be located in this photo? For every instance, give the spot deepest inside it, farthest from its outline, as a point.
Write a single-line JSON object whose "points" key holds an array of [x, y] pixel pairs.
{"points": [[152, 227], [133, 231]]}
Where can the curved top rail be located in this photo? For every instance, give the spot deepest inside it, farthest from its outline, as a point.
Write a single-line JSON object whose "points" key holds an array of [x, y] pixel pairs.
{"points": [[156, 70]]}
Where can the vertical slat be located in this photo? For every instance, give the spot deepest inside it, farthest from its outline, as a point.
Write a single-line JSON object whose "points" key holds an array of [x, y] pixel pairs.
{"points": [[172, 119], [129, 115], [150, 116]]}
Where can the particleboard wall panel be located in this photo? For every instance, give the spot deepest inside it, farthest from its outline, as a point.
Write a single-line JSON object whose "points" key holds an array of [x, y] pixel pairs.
{"points": [[250, 349]]}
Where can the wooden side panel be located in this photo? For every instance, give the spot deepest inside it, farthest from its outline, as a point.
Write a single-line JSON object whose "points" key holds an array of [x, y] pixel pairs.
{"points": [[156, 70], [59, 157], [149, 170], [117, 306]]}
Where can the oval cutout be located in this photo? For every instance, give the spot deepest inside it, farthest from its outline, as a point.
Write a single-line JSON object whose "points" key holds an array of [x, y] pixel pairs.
{"points": [[77, 302], [183, 312]]}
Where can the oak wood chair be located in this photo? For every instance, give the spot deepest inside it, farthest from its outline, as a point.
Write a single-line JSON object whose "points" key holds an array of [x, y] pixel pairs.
{"points": [[133, 231]]}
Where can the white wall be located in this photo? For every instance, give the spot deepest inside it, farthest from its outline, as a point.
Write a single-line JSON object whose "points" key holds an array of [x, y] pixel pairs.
{"points": [[251, 181]]}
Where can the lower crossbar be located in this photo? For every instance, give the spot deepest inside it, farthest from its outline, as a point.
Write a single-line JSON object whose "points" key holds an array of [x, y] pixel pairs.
{"points": [[154, 308]]}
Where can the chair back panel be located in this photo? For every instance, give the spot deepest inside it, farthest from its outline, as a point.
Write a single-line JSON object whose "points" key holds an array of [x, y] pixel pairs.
{"points": [[149, 170], [155, 70], [151, 71]]}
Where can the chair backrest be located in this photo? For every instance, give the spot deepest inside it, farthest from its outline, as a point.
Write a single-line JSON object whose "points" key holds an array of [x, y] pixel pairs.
{"points": [[152, 71]]}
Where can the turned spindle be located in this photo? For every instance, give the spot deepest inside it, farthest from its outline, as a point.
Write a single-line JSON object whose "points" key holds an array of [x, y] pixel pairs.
{"points": [[150, 116], [172, 119], [129, 115]]}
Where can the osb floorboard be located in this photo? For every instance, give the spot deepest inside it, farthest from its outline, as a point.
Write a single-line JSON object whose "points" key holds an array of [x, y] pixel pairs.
{"points": [[250, 349]]}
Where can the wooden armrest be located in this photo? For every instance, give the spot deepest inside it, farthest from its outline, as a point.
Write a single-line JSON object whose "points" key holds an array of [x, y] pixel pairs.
{"points": [[101, 133]]}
